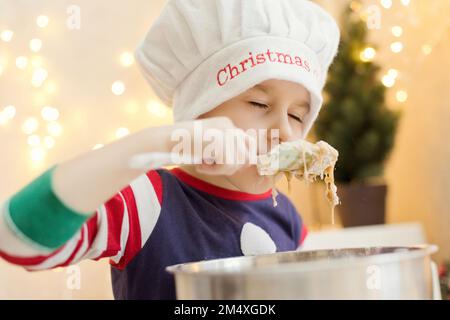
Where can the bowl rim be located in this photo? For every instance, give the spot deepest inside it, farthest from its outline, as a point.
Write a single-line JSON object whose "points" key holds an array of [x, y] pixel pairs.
{"points": [[412, 252]]}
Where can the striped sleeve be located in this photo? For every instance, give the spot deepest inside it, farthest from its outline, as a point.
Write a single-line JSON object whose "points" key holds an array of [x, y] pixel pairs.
{"points": [[118, 230], [303, 234]]}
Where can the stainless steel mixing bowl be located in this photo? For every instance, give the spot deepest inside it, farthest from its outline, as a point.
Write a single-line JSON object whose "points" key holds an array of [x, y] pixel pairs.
{"points": [[356, 273]]}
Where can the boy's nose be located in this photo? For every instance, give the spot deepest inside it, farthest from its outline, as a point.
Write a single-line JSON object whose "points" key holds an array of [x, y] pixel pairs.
{"points": [[284, 127], [278, 131]]}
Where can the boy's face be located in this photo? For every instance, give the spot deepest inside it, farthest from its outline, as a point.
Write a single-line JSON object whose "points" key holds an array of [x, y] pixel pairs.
{"points": [[272, 104]]}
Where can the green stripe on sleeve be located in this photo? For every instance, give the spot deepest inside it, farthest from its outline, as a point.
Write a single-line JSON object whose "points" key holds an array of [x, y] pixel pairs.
{"points": [[40, 216]]}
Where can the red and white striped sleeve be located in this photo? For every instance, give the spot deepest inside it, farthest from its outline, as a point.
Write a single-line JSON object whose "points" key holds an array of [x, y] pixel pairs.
{"points": [[303, 234], [118, 230]]}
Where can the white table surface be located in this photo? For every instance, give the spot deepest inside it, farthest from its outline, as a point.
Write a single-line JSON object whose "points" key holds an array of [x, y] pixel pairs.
{"points": [[407, 234]]}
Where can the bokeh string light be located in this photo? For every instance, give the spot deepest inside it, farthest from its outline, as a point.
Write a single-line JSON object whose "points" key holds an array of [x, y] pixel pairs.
{"points": [[415, 10], [44, 124], [40, 134], [122, 132], [35, 45], [43, 130], [7, 114], [368, 54], [42, 21], [118, 88], [21, 62], [6, 35], [127, 59]]}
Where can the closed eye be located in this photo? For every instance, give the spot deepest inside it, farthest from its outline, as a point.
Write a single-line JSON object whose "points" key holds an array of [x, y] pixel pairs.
{"points": [[259, 105], [297, 118], [264, 106]]}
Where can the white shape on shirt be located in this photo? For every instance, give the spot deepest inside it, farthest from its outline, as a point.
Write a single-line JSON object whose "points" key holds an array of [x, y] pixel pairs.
{"points": [[255, 241]]}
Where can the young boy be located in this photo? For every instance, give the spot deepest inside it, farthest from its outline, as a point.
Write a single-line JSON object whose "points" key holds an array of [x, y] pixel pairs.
{"points": [[221, 64]]}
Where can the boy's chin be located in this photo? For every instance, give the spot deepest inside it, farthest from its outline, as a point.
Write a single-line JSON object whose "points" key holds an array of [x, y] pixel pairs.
{"points": [[249, 176]]}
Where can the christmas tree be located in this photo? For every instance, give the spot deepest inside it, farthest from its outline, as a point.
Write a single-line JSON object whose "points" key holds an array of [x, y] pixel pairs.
{"points": [[354, 118]]}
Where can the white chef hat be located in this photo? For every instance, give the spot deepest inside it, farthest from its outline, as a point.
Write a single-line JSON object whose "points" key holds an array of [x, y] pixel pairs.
{"points": [[201, 53]]}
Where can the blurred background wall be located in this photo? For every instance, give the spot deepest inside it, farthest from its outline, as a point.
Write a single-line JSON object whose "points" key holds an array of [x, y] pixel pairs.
{"points": [[96, 94]]}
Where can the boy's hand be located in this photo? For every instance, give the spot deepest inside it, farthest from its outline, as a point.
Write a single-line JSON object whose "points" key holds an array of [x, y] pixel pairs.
{"points": [[225, 149]]}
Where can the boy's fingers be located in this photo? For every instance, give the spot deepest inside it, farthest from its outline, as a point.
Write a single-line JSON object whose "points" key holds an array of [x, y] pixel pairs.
{"points": [[209, 161]]}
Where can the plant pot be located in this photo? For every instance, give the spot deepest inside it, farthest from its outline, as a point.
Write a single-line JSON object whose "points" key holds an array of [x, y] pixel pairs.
{"points": [[362, 204]]}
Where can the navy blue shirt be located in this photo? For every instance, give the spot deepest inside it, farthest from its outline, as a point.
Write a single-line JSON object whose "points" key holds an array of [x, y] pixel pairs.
{"points": [[198, 221]]}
